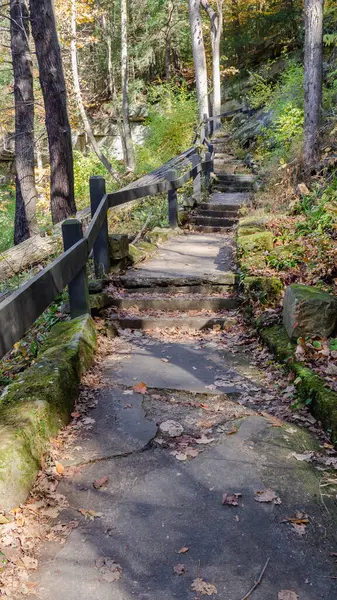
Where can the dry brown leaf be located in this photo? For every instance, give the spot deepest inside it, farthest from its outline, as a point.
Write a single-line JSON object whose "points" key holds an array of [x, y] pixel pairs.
{"points": [[3, 520], [267, 495], [102, 481], [140, 388], [275, 421], [59, 468], [109, 569], [183, 550], [204, 440], [29, 562], [231, 499], [89, 514], [179, 569], [203, 588], [191, 452], [287, 595]]}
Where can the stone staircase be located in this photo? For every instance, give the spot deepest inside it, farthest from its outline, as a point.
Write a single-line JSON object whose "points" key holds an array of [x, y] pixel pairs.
{"points": [[191, 282], [232, 186]]}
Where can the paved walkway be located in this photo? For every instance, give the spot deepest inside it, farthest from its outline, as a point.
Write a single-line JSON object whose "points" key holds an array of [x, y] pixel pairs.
{"points": [[161, 531]]}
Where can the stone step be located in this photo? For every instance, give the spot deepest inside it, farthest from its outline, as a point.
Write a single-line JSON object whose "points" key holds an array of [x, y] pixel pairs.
{"points": [[212, 221], [148, 323], [223, 186], [171, 290], [209, 229], [168, 304], [221, 208], [234, 179], [226, 278], [227, 214]]}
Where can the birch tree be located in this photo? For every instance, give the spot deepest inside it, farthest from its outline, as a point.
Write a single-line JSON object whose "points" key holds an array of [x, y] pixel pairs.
{"points": [[216, 27], [62, 198], [125, 85], [25, 208], [313, 67], [199, 57]]}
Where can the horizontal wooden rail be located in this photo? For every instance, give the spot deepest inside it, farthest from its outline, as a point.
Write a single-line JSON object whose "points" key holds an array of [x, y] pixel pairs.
{"points": [[21, 309]]}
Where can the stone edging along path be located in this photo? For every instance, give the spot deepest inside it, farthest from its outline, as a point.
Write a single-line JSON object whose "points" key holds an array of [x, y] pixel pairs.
{"points": [[39, 403], [253, 240]]}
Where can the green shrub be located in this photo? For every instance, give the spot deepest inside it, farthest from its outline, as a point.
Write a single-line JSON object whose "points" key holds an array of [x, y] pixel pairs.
{"points": [[7, 215], [170, 126], [86, 166]]}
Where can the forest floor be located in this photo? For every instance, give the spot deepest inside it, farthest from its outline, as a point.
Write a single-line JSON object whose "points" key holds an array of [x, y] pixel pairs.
{"points": [[235, 501]]}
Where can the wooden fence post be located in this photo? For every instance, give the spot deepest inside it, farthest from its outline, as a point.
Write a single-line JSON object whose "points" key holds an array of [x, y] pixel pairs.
{"points": [[196, 179], [208, 171], [101, 245], [172, 200], [72, 232]]}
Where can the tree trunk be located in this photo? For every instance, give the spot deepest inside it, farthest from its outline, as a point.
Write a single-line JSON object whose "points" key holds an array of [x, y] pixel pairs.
{"points": [[216, 22], [313, 61], [199, 57], [25, 209], [168, 41], [62, 199], [78, 94], [125, 86]]}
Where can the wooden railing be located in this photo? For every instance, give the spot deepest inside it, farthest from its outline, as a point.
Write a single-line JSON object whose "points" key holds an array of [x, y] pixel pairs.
{"points": [[21, 309]]}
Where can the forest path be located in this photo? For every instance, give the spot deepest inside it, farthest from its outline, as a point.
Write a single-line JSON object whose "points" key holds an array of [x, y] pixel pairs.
{"points": [[197, 507]]}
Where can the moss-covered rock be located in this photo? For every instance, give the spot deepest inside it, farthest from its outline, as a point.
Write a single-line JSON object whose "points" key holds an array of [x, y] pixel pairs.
{"points": [[136, 255], [312, 387], [119, 246], [256, 242], [307, 311], [264, 289], [251, 224], [253, 261], [34, 407]]}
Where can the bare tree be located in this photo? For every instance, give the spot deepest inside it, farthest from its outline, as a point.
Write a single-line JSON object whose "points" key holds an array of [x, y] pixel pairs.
{"points": [[216, 20], [78, 94], [25, 209], [125, 86], [313, 63], [62, 199], [199, 57]]}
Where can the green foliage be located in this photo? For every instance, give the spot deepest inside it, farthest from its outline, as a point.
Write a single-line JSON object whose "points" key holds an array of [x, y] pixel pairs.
{"points": [[7, 214], [86, 166], [260, 92], [170, 126], [285, 105], [320, 210]]}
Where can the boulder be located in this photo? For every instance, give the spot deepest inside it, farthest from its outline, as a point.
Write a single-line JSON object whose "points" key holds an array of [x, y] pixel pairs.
{"points": [[119, 246], [263, 289], [308, 312]]}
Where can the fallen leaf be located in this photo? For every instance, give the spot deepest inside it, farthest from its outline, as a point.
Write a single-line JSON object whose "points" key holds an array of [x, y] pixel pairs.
{"points": [[181, 456], [231, 499], [191, 452], [109, 569], [102, 481], [232, 431], [205, 424], [267, 495], [59, 468], [179, 569], [275, 421], [287, 595], [305, 457], [204, 588], [30, 563], [183, 550], [89, 514], [128, 392], [165, 360], [204, 440], [3, 520], [140, 388]]}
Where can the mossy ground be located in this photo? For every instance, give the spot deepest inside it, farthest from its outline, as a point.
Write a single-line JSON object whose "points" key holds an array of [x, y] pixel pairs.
{"points": [[34, 407]]}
